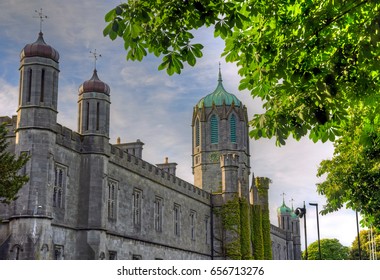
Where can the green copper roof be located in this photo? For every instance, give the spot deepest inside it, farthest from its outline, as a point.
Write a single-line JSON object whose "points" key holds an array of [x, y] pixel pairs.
{"points": [[283, 209], [219, 97]]}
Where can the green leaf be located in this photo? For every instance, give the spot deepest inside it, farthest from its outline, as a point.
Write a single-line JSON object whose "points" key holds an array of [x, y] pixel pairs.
{"points": [[110, 15]]}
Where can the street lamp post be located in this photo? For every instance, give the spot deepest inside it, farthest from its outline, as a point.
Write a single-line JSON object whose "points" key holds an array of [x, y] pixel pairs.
{"points": [[319, 240], [301, 212], [357, 229]]}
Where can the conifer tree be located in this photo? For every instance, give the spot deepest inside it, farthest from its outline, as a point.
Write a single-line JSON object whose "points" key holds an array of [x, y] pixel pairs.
{"points": [[10, 178]]}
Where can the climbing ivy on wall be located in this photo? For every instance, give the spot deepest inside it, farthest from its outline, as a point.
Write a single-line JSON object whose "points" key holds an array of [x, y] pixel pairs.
{"points": [[266, 234], [262, 185], [257, 233], [246, 252], [231, 222]]}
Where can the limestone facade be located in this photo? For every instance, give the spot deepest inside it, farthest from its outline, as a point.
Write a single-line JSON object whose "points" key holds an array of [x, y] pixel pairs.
{"points": [[89, 199]]}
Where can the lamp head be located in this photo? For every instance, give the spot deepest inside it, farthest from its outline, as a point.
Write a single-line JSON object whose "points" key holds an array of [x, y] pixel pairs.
{"points": [[300, 212]]}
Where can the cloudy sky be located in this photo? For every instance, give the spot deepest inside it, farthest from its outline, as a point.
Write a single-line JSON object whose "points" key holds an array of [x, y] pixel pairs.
{"points": [[149, 105]]}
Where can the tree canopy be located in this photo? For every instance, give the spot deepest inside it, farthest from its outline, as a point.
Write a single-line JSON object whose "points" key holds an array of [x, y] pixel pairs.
{"points": [[10, 179], [309, 61], [353, 174], [313, 63], [331, 249], [366, 246]]}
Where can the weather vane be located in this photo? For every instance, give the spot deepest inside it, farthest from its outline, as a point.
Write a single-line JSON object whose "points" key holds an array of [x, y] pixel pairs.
{"points": [[95, 55], [41, 16]]}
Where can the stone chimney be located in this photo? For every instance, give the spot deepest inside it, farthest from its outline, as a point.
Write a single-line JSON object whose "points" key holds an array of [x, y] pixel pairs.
{"points": [[133, 148], [167, 166]]}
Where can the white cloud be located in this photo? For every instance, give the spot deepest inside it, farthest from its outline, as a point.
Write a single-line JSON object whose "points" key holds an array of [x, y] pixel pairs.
{"points": [[8, 98]]}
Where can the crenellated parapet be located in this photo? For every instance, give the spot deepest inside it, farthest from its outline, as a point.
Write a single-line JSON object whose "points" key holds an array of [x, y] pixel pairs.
{"points": [[137, 165], [229, 160], [68, 138]]}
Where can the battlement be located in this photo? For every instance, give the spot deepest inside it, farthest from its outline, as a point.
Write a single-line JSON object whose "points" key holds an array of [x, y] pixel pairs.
{"points": [[229, 160], [68, 138], [156, 174]]}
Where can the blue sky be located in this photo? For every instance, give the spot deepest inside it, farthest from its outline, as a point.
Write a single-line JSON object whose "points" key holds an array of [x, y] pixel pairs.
{"points": [[149, 105]]}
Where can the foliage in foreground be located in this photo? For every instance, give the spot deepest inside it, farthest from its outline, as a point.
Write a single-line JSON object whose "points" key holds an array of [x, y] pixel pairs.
{"points": [[309, 61], [10, 179]]}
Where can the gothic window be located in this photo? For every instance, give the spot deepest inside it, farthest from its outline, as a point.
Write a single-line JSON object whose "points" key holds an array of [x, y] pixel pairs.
{"points": [[58, 252], [112, 255], [197, 136], [97, 115], [214, 129], [111, 202], [87, 115], [193, 215], [59, 185], [42, 85], [233, 128], [29, 95], [158, 214], [137, 201], [54, 97], [177, 219]]}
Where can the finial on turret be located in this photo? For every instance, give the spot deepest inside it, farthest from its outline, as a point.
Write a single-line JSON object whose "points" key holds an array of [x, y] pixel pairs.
{"points": [[95, 55], [291, 201], [41, 16], [220, 74], [283, 198]]}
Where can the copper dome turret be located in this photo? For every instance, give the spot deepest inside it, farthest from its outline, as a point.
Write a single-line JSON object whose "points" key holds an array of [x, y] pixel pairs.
{"points": [[94, 85], [39, 48]]}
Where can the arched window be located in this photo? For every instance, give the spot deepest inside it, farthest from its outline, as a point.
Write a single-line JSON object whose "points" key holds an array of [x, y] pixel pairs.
{"points": [[233, 128], [87, 115], [42, 85], [97, 115], [214, 129], [54, 97], [29, 96], [197, 136]]}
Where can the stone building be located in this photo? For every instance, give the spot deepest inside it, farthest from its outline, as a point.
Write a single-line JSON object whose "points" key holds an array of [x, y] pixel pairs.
{"points": [[89, 199]]}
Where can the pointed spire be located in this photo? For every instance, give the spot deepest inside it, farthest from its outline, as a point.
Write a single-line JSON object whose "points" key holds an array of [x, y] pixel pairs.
{"points": [[95, 76], [283, 198], [291, 201], [220, 74]]}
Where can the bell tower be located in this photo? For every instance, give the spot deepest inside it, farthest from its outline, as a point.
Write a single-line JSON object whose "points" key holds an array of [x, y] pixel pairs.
{"points": [[220, 128]]}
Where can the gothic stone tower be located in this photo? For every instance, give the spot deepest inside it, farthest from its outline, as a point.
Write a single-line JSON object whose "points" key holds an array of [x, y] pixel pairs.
{"points": [[290, 223], [93, 126], [221, 166], [220, 128], [35, 135]]}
